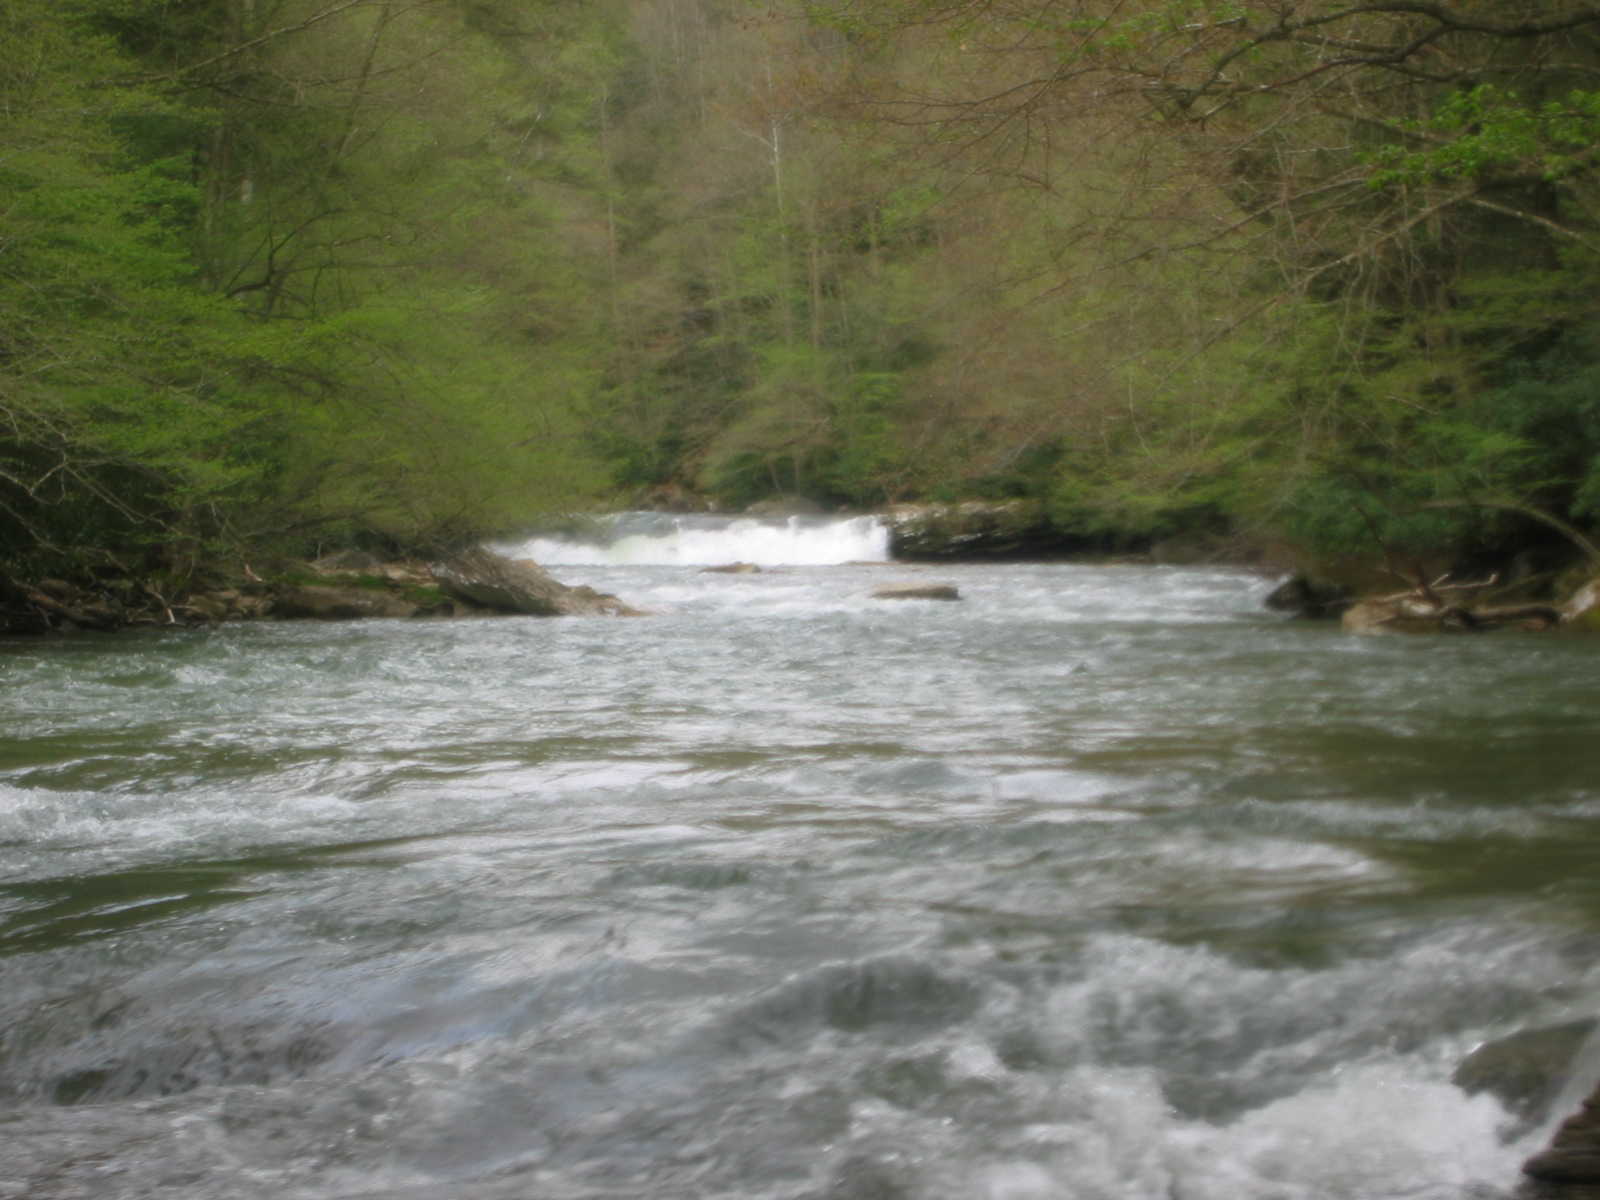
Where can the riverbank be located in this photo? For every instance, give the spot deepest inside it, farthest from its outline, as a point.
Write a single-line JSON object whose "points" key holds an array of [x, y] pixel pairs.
{"points": [[1543, 587], [349, 585]]}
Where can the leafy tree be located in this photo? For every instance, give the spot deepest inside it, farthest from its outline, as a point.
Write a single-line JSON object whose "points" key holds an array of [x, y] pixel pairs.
{"points": [[1369, 178], [292, 269], [121, 424]]}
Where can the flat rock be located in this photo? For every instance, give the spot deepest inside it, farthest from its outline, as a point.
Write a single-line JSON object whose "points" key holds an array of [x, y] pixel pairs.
{"points": [[492, 581], [315, 602], [916, 591]]}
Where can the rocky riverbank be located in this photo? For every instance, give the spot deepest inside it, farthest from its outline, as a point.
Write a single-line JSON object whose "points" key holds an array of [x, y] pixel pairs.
{"points": [[351, 584], [1446, 605], [1527, 1072], [343, 586], [1016, 529]]}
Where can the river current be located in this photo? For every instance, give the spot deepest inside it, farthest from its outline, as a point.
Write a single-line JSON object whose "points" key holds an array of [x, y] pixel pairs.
{"points": [[1100, 883]]}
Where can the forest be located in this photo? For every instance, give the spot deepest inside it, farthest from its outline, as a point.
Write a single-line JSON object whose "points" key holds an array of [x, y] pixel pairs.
{"points": [[284, 275]]}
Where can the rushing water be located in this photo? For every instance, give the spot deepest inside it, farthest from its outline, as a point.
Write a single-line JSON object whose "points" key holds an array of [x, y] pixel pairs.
{"points": [[699, 539], [1099, 883]]}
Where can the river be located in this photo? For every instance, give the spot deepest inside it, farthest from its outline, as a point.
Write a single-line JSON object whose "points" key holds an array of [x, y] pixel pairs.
{"points": [[1101, 883]]}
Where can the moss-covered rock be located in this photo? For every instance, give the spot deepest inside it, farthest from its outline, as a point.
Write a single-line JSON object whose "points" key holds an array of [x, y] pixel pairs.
{"points": [[1012, 529]]}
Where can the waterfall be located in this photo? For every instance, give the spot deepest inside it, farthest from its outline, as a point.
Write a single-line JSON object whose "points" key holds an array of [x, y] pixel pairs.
{"points": [[699, 539]]}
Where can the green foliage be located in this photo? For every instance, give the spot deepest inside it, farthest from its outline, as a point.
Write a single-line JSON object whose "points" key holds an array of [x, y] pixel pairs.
{"points": [[1485, 130], [121, 422], [1461, 427], [416, 272], [310, 286], [862, 464]]}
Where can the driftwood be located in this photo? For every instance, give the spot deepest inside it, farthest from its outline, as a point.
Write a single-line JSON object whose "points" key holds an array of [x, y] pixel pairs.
{"points": [[1434, 606], [63, 603]]}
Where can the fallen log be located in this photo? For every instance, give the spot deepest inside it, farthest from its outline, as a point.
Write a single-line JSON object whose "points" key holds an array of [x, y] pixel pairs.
{"points": [[88, 614], [1434, 607]]}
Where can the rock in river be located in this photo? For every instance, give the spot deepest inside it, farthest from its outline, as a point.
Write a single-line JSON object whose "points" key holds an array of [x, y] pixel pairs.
{"points": [[916, 591], [493, 581], [1525, 1070]]}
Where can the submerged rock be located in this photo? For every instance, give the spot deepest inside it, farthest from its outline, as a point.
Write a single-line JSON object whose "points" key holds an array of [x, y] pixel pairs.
{"points": [[737, 568], [893, 992]]}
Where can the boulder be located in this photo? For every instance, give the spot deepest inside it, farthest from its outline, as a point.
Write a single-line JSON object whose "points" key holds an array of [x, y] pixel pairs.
{"points": [[1302, 596], [489, 580], [231, 604], [1525, 1070], [327, 603], [1011, 529], [1572, 1158], [210, 606], [916, 591], [1573, 1155]]}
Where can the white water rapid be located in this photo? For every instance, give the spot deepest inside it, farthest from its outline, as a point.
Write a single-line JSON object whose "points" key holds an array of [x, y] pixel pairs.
{"points": [[1100, 883], [668, 539]]}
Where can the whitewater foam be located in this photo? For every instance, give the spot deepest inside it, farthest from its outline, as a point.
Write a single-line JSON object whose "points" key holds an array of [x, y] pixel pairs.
{"points": [[668, 539]]}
